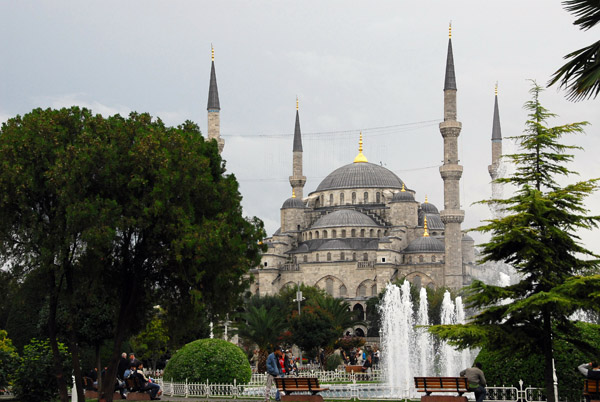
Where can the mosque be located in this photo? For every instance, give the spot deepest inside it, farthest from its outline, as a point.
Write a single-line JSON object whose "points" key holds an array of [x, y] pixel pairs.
{"points": [[362, 227]]}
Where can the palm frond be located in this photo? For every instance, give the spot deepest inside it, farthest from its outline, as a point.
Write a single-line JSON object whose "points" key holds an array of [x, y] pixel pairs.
{"points": [[586, 11], [580, 76]]}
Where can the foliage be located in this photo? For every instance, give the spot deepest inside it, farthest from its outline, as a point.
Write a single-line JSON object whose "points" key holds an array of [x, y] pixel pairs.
{"points": [[333, 362], [508, 368], [9, 360], [309, 293], [138, 210], [349, 342], [339, 309], [580, 76], [313, 329], [215, 360], [538, 237], [34, 381], [151, 343]]}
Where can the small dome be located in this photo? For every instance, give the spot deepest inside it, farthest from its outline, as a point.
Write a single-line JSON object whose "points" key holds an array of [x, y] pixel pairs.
{"points": [[466, 237], [403, 196], [292, 202], [344, 217], [425, 245], [429, 208], [360, 175], [433, 220], [334, 245]]}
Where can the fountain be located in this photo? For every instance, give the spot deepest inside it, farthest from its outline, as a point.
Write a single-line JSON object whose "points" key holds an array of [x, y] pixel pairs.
{"points": [[408, 350]]}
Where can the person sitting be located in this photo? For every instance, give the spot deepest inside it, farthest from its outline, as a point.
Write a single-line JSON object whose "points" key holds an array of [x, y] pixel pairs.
{"points": [[146, 384], [367, 365]]}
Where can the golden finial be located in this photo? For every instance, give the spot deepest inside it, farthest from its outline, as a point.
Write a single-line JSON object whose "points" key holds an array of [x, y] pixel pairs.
{"points": [[293, 193], [360, 158], [450, 30], [426, 199], [403, 187], [425, 232], [212, 52], [296, 102], [496, 89]]}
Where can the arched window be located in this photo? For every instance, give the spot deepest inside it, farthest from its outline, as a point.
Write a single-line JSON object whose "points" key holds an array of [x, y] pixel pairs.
{"points": [[417, 281], [329, 286], [266, 263], [353, 256], [343, 291], [317, 234], [310, 235], [305, 258], [334, 233], [317, 257], [362, 233], [328, 256], [366, 257], [317, 202], [344, 233], [353, 197], [330, 199], [322, 200], [353, 233], [410, 260], [433, 258], [324, 234], [378, 197], [366, 197], [379, 233], [420, 258], [341, 198], [362, 292], [342, 256], [371, 233], [374, 290]]}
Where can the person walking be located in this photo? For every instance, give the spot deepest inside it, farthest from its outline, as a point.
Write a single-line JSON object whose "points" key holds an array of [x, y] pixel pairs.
{"points": [[273, 371], [476, 380]]}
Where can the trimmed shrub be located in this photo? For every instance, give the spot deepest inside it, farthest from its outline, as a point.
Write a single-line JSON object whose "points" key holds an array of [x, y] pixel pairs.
{"points": [[34, 379], [215, 360], [506, 369], [333, 361]]}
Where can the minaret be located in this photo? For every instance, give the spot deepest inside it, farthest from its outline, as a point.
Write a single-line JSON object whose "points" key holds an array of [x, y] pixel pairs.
{"points": [[494, 168], [451, 171], [213, 107], [297, 180]]}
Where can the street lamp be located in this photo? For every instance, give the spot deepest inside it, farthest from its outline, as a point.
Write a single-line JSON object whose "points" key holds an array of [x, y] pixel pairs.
{"points": [[299, 299]]}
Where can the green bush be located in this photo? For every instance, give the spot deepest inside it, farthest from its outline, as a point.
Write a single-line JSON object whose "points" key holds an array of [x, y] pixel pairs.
{"points": [[34, 379], [506, 369], [215, 360], [333, 361], [9, 360]]}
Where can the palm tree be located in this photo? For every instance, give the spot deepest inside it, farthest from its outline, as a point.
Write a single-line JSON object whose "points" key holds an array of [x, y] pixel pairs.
{"points": [[343, 317], [581, 74], [264, 328]]}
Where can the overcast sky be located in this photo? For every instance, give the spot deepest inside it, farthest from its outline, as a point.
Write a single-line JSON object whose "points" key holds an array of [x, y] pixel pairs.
{"points": [[374, 66]]}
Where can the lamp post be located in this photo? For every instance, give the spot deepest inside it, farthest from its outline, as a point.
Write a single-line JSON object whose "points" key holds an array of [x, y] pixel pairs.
{"points": [[299, 299]]}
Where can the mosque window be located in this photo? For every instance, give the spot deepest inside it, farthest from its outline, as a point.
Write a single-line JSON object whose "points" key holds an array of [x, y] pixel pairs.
{"points": [[410, 260], [366, 257], [328, 256], [322, 199], [420, 258], [374, 290], [305, 258], [334, 233], [298, 227], [317, 234], [265, 263], [330, 199], [362, 291], [382, 259], [329, 286], [353, 256], [317, 257], [366, 197], [353, 233], [378, 197], [417, 281], [433, 258], [362, 233], [343, 256], [379, 233], [341, 198], [343, 290], [353, 197], [310, 235], [371, 232], [324, 234], [344, 233]]}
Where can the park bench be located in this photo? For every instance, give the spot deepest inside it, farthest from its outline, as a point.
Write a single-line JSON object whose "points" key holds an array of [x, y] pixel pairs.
{"points": [[135, 385], [591, 390], [442, 384], [291, 385]]}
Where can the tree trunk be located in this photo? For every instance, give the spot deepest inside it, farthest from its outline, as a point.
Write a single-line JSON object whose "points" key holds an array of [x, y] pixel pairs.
{"points": [[548, 355], [98, 365], [261, 364], [58, 372], [73, 343]]}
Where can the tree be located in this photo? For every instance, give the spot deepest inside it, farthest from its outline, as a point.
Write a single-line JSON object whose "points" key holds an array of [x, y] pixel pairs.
{"points": [[9, 360], [151, 343], [313, 329], [580, 76], [143, 212], [538, 236]]}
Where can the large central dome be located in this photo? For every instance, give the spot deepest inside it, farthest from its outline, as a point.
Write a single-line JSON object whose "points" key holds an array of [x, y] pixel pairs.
{"points": [[360, 175]]}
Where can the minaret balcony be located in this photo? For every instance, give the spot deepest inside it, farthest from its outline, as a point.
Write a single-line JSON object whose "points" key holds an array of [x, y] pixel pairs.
{"points": [[451, 171], [452, 215]]}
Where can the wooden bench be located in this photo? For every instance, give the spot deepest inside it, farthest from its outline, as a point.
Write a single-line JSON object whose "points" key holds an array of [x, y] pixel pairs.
{"points": [[429, 385], [135, 393], [290, 385], [353, 369], [591, 390]]}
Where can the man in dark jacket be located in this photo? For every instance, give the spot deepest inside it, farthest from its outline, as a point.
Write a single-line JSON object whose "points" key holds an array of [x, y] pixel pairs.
{"points": [[273, 371], [476, 381]]}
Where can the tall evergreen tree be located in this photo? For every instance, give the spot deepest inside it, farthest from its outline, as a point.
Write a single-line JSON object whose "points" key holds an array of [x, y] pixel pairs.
{"points": [[538, 236]]}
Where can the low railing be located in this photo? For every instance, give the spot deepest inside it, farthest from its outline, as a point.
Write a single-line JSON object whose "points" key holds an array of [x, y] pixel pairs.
{"points": [[365, 264]]}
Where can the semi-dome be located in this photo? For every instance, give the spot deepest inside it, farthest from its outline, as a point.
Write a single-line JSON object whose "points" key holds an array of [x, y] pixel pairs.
{"points": [[360, 175], [403, 196], [429, 208], [293, 202], [433, 220], [334, 245], [344, 217], [425, 244]]}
